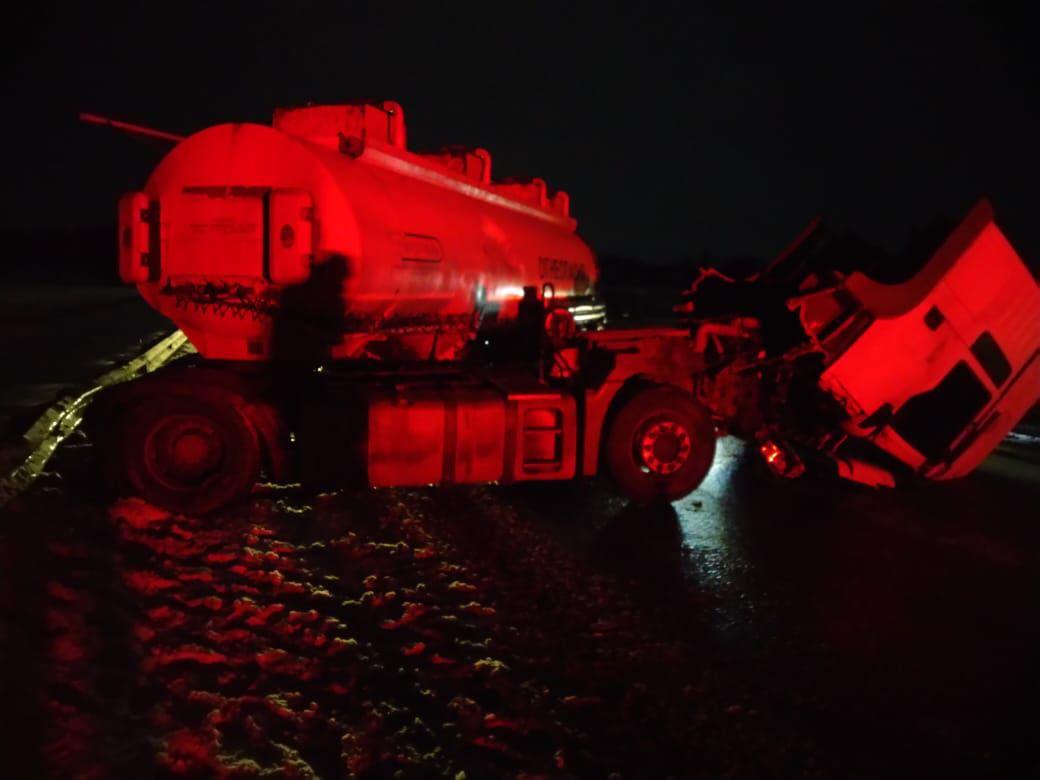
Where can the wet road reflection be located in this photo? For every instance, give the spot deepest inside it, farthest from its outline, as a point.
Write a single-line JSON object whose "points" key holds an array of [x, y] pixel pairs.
{"points": [[717, 561], [887, 623]]}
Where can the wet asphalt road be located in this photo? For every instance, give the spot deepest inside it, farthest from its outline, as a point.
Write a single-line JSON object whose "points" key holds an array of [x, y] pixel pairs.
{"points": [[756, 628]]}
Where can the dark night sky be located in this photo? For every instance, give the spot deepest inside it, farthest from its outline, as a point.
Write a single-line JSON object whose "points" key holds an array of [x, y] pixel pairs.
{"points": [[676, 129]]}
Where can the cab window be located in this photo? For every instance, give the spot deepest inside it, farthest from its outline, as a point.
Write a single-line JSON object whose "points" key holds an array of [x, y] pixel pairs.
{"points": [[931, 421], [992, 358]]}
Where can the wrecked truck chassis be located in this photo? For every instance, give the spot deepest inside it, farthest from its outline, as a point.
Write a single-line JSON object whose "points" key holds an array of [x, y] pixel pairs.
{"points": [[197, 434], [924, 376], [810, 362]]}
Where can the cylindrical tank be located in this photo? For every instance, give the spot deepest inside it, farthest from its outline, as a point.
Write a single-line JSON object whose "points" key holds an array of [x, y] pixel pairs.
{"points": [[323, 236]]}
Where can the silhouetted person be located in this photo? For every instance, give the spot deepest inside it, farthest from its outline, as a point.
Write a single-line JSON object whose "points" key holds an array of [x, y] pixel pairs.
{"points": [[311, 319], [530, 326]]}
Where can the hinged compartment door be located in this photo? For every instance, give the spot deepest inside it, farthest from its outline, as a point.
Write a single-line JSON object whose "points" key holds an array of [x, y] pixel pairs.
{"points": [[291, 236], [135, 252], [213, 234]]}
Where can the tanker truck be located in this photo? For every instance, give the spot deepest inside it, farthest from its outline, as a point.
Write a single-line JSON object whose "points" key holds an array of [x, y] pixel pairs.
{"points": [[324, 236], [365, 314]]}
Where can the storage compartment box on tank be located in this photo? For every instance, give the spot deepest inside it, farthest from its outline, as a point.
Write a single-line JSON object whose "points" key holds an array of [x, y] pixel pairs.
{"points": [[428, 435]]}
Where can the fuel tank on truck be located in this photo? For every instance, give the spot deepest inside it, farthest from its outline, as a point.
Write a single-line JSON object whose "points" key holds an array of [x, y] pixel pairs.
{"points": [[323, 236]]}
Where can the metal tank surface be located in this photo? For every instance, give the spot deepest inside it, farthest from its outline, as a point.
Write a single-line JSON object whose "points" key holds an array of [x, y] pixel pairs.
{"points": [[324, 237]]}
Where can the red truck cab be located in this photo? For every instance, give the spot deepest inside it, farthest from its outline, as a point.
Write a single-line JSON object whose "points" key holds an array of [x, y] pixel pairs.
{"points": [[934, 371]]}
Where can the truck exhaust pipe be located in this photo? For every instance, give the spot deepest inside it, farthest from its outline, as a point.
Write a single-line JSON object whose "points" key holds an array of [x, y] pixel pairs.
{"points": [[126, 127]]}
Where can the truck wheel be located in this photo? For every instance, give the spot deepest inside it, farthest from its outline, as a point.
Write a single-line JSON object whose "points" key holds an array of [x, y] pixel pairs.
{"points": [[188, 454], [659, 446]]}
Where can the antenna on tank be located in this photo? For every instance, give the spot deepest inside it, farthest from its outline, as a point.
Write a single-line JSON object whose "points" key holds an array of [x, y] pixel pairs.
{"points": [[126, 127]]}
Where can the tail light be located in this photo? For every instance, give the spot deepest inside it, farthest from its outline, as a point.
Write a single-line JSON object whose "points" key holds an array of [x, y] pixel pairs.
{"points": [[781, 459]]}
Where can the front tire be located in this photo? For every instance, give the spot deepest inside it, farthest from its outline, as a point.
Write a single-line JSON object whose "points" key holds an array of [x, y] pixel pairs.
{"points": [[660, 446]]}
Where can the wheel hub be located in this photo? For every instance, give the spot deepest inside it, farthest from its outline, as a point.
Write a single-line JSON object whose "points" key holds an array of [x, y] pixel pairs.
{"points": [[183, 451], [664, 447]]}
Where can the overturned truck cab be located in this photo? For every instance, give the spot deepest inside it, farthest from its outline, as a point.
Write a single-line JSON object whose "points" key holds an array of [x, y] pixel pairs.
{"points": [[885, 368]]}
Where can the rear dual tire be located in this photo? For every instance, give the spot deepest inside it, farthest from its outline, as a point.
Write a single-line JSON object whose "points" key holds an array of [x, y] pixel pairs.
{"points": [[190, 454]]}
